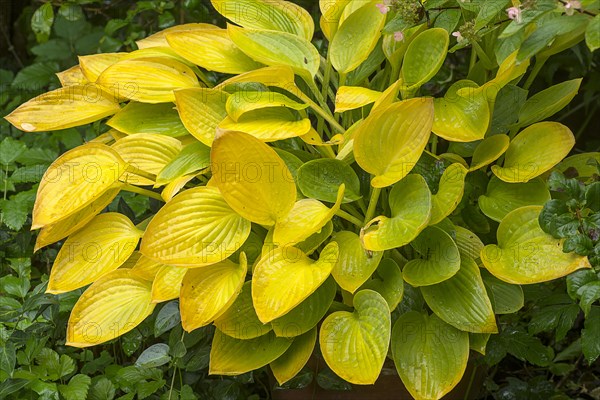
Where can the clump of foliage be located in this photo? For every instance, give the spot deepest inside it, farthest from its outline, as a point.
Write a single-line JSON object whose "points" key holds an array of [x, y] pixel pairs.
{"points": [[266, 232]]}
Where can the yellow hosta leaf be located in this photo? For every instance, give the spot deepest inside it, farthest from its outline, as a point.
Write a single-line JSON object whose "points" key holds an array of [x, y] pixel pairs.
{"points": [[72, 76], [277, 15], [525, 254], [97, 249], [167, 283], [206, 293], [148, 80], [390, 141], [355, 265], [75, 180], [268, 124], [59, 230], [146, 268], [307, 217], [218, 53], [489, 150], [159, 38], [278, 76], [63, 108], [272, 293], [244, 101], [201, 111], [449, 194], [93, 65], [175, 186], [389, 96], [253, 179], [111, 307], [196, 228], [295, 358], [524, 161], [146, 152], [331, 12], [353, 97], [277, 49]]}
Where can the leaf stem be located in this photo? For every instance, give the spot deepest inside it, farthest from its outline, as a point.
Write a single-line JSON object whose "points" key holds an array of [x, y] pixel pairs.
{"points": [[349, 217], [372, 204], [145, 192], [320, 111]]}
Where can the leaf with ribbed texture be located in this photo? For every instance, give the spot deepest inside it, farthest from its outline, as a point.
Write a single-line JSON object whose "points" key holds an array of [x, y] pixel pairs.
{"points": [[72, 76], [74, 181], [356, 37], [159, 38], [525, 254], [201, 111], [355, 345], [506, 298], [272, 293], [268, 124], [240, 320], [306, 218], [462, 300], [146, 152], [244, 101], [146, 268], [208, 292], [59, 230], [274, 15], [253, 179], [390, 141], [424, 57], [277, 48], [387, 282], [524, 161], [355, 265], [295, 358], [461, 119], [63, 108], [468, 243], [196, 228], [99, 248], [278, 76], [167, 283], [192, 159], [489, 150], [307, 314], [148, 118], [501, 198], [449, 194], [94, 64], [410, 203], [353, 97], [112, 306], [430, 355], [148, 80], [441, 258], [321, 179], [331, 12], [218, 53]]}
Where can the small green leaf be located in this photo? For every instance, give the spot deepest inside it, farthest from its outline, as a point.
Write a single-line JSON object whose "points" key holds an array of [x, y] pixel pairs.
{"points": [[588, 294], [41, 22], [240, 320], [77, 388], [154, 356], [590, 336], [592, 34], [320, 179], [168, 317], [548, 102], [10, 150]]}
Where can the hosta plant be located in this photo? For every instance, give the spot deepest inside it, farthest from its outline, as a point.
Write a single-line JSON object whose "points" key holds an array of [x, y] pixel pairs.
{"points": [[356, 199]]}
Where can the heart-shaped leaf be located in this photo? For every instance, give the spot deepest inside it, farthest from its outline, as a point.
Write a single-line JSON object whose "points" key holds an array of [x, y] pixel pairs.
{"points": [[355, 265], [526, 254], [390, 141], [196, 228], [388, 282], [523, 160], [462, 300], [206, 293], [441, 258], [295, 358], [320, 179], [430, 355], [271, 291], [501, 198], [201, 111], [410, 203], [449, 194], [489, 150], [355, 345]]}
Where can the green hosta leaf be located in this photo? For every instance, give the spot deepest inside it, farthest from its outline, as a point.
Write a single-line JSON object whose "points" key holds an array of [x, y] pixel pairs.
{"points": [[307, 314], [592, 34], [229, 356], [154, 356], [449, 194], [478, 342], [441, 258], [462, 300], [506, 298], [391, 140], [295, 358], [320, 179], [240, 320], [525, 253], [430, 355], [523, 160], [356, 38], [192, 158], [410, 203], [387, 282], [489, 150], [548, 102], [244, 101], [314, 241], [355, 265], [424, 57], [277, 49], [501, 198], [590, 336], [461, 119], [355, 345], [148, 118], [272, 295]]}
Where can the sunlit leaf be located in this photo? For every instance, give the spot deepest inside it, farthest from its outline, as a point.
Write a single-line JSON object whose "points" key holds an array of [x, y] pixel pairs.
{"points": [[355, 265], [146, 268], [489, 150], [167, 283], [295, 358], [201, 111], [148, 118], [353, 97], [331, 12], [268, 124], [159, 38], [94, 64], [72, 76], [244, 101], [501, 198], [449, 194], [193, 158]]}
